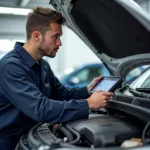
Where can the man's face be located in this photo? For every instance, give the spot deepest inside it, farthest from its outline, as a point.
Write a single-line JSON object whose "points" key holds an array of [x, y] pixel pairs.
{"points": [[50, 42]]}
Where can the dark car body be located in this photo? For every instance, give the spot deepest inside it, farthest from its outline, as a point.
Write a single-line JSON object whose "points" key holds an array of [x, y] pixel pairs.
{"points": [[118, 32]]}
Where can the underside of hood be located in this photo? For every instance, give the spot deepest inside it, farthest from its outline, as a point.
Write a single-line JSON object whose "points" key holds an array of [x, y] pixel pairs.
{"points": [[118, 31]]}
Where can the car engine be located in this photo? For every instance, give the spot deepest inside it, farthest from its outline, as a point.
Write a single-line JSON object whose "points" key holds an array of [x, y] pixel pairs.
{"points": [[99, 131]]}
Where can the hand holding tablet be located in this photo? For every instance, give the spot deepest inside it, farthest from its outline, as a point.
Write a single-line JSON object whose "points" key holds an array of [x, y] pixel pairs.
{"points": [[99, 99]]}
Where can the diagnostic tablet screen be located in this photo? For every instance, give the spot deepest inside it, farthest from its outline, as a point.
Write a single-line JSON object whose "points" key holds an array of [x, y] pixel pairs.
{"points": [[107, 84]]}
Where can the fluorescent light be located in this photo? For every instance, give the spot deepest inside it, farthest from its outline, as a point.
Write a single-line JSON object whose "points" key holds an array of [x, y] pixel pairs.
{"points": [[14, 11]]}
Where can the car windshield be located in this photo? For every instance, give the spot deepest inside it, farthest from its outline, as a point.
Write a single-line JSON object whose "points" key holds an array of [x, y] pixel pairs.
{"points": [[140, 85], [142, 81]]}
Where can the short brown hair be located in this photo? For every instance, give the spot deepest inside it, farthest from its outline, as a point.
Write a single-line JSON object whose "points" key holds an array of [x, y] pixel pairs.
{"points": [[40, 19]]}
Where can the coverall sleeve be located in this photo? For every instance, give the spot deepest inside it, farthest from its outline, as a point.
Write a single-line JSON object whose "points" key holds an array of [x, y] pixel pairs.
{"points": [[21, 91], [60, 92]]}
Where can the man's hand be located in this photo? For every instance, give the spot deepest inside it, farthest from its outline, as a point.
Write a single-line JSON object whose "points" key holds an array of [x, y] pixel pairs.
{"points": [[93, 83], [99, 99]]}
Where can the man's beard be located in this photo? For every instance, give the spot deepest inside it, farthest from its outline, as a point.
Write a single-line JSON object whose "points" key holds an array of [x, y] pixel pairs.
{"points": [[43, 51]]}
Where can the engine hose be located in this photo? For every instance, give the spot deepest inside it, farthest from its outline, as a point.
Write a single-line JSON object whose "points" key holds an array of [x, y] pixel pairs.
{"points": [[75, 133], [67, 133]]}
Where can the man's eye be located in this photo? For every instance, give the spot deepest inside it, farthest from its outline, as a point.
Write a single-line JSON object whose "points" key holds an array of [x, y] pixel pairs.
{"points": [[56, 36]]}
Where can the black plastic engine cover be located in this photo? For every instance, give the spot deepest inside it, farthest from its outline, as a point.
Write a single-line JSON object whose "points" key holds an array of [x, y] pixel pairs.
{"points": [[103, 130]]}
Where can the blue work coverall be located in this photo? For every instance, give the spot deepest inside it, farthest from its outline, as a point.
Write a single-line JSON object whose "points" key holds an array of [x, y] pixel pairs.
{"points": [[30, 93]]}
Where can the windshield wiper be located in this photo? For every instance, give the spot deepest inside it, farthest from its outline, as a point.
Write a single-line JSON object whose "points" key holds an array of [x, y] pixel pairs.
{"points": [[145, 90], [136, 92]]}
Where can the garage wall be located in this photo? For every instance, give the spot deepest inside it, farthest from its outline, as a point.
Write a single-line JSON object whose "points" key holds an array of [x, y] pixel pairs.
{"points": [[12, 27]]}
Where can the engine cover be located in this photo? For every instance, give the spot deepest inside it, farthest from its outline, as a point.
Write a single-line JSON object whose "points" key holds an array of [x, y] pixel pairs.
{"points": [[104, 130]]}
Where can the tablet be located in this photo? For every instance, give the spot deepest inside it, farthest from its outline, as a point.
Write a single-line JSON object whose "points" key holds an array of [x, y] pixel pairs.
{"points": [[107, 84]]}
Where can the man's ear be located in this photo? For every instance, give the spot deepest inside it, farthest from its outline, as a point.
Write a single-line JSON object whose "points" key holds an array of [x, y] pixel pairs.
{"points": [[36, 36]]}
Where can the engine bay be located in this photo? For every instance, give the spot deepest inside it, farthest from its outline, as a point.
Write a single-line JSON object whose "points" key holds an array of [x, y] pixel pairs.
{"points": [[99, 131], [104, 130]]}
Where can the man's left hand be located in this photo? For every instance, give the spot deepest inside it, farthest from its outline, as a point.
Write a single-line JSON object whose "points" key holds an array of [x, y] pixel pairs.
{"points": [[93, 83]]}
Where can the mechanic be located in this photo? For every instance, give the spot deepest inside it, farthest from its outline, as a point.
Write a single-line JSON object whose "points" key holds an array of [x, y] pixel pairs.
{"points": [[29, 90]]}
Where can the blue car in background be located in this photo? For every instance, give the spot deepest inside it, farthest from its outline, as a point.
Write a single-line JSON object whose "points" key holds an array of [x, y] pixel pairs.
{"points": [[83, 75]]}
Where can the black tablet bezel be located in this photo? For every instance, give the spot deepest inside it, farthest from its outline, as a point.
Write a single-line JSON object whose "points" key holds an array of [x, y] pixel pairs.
{"points": [[117, 84]]}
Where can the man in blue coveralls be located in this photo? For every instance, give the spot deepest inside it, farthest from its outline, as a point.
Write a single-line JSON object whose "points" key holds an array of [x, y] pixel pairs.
{"points": [[30, 92]]}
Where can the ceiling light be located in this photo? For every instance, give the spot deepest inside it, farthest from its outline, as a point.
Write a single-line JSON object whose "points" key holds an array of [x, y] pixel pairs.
{"points": [[14, 11]]}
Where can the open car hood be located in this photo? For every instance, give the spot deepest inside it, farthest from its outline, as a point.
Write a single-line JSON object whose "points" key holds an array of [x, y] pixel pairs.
{"points": [[117, 31]]}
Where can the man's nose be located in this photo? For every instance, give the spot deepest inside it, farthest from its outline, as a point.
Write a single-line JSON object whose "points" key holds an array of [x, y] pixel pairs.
{"points": [[59, 42]]}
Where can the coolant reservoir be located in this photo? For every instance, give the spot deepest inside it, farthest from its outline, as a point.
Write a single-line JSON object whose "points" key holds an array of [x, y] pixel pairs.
{"points": [[134, 142]]}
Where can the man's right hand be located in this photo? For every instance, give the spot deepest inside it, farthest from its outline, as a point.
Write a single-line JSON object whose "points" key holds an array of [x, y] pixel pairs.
{"points": [[99, 99]]}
